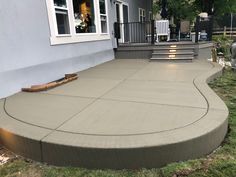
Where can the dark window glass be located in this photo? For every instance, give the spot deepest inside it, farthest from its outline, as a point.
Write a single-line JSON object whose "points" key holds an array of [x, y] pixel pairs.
{"points": [[84, 16], [62, 21], [60, 3], [102, 6], [117, 13]]}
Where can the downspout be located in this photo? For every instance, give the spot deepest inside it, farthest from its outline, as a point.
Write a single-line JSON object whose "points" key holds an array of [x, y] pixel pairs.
{"points": [[152, 1], [151, 7]]}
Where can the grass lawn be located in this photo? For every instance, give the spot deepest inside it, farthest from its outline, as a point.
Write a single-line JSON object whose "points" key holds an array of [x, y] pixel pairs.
{"points": [[221, 163]]}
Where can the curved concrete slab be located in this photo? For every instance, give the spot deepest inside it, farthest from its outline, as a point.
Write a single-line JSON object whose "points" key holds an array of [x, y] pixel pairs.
{"points": [[122, 114]]}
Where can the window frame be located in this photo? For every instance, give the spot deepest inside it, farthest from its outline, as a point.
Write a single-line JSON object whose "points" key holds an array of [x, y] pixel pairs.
{"points": [[105, 15], [63, 9], [73, 37], [142, 15]]}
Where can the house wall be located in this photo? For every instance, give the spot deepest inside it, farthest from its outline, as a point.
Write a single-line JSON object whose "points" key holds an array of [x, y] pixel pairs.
{"points": [[134, 6], [27, 57]]}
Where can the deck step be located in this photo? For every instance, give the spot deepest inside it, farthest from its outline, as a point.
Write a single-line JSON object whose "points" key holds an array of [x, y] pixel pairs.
{"points": [[172, 56], [171, 52], [170, 48], [180, 45], [173, 59]]}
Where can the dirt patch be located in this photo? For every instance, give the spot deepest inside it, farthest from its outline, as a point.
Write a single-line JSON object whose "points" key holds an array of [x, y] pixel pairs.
{"points": [[6, 156]]}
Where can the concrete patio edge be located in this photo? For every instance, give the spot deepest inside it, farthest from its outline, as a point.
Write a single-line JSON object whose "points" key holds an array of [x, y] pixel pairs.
{"points": [[118, 152]]}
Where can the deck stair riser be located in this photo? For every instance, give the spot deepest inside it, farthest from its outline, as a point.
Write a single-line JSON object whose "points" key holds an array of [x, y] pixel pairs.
{"points": [[177, 49], [184, 51], [173, 52], [177, 46], [178, 55], [174, 59]]}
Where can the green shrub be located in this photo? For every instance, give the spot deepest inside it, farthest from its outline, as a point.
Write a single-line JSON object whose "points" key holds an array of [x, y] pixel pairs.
{"points": [[223, 44]]}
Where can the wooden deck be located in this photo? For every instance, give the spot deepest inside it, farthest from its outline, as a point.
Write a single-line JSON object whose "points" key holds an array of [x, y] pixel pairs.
{"points": [[145, 50]]}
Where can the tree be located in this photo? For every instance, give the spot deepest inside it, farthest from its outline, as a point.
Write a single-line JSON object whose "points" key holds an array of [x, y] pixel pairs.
{"points": [[188, 9], [156, 7], [179, 9], [216, 7]]}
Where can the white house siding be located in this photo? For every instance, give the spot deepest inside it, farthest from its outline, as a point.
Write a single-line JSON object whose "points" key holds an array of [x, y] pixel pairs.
{"points": [[26, 54]]}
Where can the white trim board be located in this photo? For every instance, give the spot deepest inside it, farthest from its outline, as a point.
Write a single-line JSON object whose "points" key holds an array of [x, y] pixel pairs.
{"points": [[121, 3], [74, 37]]}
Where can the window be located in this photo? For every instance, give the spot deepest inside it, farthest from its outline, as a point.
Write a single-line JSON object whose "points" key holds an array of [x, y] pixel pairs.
{"points": [[142, 15], [74, 21], [62, 19], [103, 16], [84, 16]]}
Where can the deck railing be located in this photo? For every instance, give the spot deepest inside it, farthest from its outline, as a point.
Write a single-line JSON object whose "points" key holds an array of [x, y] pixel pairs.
{"points": [[146, 32], [135, 32]]}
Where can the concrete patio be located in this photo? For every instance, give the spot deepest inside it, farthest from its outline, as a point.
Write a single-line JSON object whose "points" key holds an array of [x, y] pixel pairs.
{"points": [[121, 114]]}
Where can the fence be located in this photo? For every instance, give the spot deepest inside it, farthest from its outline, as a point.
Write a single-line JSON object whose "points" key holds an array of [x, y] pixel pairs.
{"points": [[225, 24]]}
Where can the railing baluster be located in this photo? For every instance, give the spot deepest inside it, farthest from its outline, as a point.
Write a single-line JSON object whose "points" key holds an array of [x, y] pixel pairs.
{"points": [[140, 32], [136, 32], [131, 33], [197, 29], [138, 24]]}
